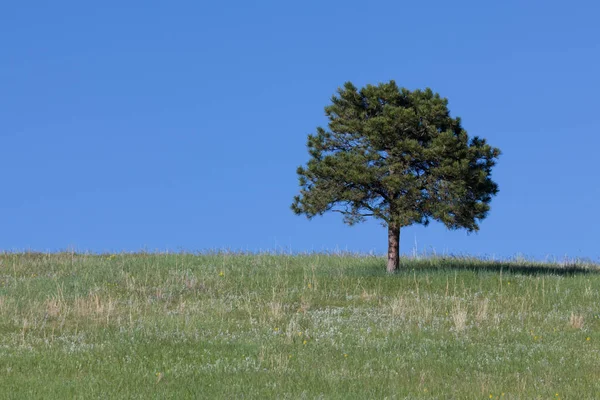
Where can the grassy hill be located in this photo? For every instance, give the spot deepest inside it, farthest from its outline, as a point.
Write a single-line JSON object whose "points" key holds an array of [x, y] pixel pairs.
{"points": [[316, 326]]}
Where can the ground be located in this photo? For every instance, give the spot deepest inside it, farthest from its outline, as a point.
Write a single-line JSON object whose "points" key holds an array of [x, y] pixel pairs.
{"points": [[313, 326]]}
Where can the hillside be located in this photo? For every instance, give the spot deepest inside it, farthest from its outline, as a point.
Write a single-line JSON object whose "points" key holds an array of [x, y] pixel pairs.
{"points": [[315, 326]]}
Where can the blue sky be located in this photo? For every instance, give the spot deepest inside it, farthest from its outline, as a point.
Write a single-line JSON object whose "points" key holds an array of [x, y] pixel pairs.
{"points": [[179, 125]]}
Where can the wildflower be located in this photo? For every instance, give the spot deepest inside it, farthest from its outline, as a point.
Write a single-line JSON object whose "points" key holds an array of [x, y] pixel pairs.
{"points": [[345, 355], [309, 286], [276, 329], [425, 390], [299, 333], [587, 338], [491, 396], [221, 273], [304, 342]]}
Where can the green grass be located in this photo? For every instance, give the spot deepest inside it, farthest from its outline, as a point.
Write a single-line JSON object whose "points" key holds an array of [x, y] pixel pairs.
{"points": [[275, 326]]}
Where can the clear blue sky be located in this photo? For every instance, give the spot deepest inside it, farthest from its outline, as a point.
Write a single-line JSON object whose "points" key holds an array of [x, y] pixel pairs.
{"points": [[179, 125]]}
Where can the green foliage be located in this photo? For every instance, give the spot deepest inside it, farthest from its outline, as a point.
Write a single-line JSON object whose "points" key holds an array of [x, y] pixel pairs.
{"points": [[398, 156]]}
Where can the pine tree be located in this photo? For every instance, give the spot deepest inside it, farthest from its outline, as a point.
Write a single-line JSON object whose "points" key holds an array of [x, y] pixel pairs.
{"points": [[398, 156]]}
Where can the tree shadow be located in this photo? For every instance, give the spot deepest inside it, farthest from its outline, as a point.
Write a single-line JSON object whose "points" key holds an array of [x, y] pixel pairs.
{"points": [[409, 266], [504, 267]]}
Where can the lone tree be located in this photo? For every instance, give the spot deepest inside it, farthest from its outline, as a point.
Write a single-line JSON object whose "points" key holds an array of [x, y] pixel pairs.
{"points": [[398, 156]]}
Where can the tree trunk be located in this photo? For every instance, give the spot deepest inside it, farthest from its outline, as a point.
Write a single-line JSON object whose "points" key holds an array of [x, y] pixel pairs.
{"points": [[393, 248]]}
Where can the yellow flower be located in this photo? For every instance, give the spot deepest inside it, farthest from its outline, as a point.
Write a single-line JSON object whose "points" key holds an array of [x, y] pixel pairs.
{"points": [[299, 333], [276, 329], [345, 355], [309, 285], [425, 390], [304, 342], [491, 396], [587, 338], [221, 273]]}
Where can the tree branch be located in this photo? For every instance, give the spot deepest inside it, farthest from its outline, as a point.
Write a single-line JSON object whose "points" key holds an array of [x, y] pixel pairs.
{"points": [[350, 213]]}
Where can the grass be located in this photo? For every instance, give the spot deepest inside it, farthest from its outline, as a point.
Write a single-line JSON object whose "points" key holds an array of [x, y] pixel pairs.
{"points": [[315, 326]]}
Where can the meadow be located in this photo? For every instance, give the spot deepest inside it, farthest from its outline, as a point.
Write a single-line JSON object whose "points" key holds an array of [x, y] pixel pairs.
{"points": [[149, 325]]}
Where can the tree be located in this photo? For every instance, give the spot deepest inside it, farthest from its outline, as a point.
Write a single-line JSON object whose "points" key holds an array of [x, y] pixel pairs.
{"points": [[398, 156]]}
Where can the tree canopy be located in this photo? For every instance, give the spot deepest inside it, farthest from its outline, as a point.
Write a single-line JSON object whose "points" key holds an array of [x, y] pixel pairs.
{"points": [[398, 156]]}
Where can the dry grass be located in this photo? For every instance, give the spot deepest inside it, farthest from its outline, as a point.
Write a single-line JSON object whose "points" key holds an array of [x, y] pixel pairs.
{"points": [[576, 321], [398, 307], [481, 313], [459, 317]]}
